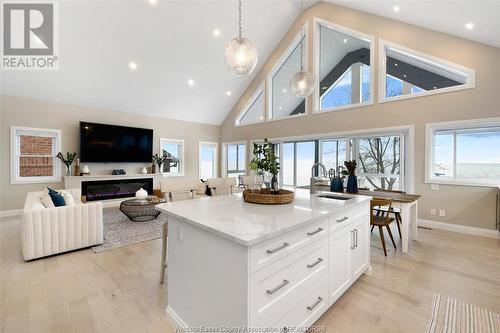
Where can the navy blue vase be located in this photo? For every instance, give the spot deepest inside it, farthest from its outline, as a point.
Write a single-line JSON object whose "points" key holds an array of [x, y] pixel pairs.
{"points": [[352, 184], [337, 184]]}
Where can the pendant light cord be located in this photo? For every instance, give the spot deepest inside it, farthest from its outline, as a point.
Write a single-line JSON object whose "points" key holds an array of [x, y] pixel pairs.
{"points": [[301, 35], [240, 31]]}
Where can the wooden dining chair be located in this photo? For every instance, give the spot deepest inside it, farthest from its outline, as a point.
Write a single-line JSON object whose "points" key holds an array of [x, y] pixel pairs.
{"points": [[382, 219], [394, 210]]}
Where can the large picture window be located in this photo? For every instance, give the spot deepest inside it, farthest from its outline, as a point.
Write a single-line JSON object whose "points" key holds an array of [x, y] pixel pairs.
{"points": [[235, 159], [33, 155], [173, 149], [333, 153], [283, 103], [407, 73], [379, 162], [297, 160], [208, 160], [343, 67], [464, 153]]}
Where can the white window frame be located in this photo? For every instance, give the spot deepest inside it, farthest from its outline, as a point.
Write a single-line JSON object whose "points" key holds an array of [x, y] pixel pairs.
{"points": [[435, 61], [277, 66], [216, 157], [430, 130], [317, 52], [258, 92], [182, 160], [15, 132], [224, 155], [408, 131]]}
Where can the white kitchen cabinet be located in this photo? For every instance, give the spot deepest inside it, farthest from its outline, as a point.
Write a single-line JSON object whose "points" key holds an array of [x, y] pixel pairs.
{"points": [[360, 252], [339, 263]]}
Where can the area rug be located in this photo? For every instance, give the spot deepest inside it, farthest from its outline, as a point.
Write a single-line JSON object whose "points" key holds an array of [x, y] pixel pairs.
{"points": [[450, 315], [119, 231]]}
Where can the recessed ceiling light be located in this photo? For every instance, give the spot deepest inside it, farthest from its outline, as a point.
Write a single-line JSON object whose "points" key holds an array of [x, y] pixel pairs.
{"points": [[280, 108], [191, 82], [216, 32], [284, 91], [153, 2], [132, 65], [345, 40], [404, 75], [396, 9], [469, 25], [396, 64], [228, 93], [261, 117]]}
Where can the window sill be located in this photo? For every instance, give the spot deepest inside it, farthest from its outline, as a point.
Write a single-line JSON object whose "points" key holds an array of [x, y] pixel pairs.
{"points": [[464, 182]]}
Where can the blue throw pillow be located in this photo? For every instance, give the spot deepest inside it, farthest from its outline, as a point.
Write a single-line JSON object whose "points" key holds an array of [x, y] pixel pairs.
{"points": [[57, 199]]}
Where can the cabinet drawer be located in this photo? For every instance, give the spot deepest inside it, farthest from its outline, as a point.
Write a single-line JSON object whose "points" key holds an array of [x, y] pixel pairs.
{"points": [[264, 254], [340, 220], [275, 289], [310, 307]]}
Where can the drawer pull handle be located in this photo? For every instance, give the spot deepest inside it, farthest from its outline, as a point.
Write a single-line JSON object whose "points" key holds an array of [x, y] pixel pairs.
{"points": [[312, 306], [272, 291], [315, 263], [278, 248], [312, 233], [342, 219]]}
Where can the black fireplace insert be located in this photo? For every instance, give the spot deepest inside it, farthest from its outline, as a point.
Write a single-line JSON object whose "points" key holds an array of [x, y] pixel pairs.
{"points": [[116, 188]]}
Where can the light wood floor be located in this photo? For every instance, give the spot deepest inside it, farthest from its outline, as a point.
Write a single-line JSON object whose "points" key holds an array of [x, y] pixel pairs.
{"points": [[118, 291]]}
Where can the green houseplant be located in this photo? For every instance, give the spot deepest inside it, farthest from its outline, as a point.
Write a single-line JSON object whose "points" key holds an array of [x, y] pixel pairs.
{"points": [[68, 160], [159, 160], [265, 160]]}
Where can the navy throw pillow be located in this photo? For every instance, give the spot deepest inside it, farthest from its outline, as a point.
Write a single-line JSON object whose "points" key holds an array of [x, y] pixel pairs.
{"points": [[57, 199]]}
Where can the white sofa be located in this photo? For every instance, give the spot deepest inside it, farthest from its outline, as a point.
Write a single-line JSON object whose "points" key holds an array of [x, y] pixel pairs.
{"points": [[47, 231]]}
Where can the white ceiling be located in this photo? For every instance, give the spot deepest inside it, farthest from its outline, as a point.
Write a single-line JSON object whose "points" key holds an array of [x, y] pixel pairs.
{"points": [[449, 16], [172, 42]]}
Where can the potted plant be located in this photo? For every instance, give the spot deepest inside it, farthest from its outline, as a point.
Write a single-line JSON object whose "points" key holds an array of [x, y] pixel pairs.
{"points": [[352, 181], [70, 157], [265, 160], [159, 161]]}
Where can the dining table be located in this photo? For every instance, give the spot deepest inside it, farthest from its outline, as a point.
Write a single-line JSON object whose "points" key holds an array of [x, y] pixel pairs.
{"points": [[408, 205]]}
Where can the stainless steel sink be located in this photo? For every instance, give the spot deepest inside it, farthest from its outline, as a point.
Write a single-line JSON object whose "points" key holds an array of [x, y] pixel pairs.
{"points": [[334, 196]]}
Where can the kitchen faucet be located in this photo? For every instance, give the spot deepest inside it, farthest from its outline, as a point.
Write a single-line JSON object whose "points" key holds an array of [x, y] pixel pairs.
{"points": [[315, 180]]}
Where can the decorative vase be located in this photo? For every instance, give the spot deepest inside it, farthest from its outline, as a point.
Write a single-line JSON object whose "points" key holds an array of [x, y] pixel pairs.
{"points": [[352, 184], [85, 169], [141, 194], [275, 185], [337, 185], [68, 170], [153, 168], [144, 170]]}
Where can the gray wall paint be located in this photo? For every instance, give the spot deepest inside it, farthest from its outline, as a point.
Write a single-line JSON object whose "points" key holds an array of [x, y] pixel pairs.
{"points": [[473, 206], [17, 111]]}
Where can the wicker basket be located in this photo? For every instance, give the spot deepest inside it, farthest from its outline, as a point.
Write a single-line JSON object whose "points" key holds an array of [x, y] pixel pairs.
{"points": [[264, 197]]}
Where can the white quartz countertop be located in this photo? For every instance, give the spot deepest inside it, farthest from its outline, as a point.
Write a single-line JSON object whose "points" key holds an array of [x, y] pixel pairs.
{"points": [[229, 216]]}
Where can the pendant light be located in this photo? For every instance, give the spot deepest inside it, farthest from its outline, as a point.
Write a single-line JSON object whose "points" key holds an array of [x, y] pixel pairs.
{"points": [[241, 55], [302, 83]]}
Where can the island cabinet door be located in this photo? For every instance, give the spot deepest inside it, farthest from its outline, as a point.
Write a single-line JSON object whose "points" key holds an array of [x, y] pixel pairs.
{"points": [[339, 258], [361, 247]]}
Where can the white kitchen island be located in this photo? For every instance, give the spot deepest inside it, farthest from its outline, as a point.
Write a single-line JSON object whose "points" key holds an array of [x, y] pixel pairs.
{"points": [[236, 265]]}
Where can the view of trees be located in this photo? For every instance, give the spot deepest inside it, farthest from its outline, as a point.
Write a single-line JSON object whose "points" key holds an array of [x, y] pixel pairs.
{"points": [[380, 156]]}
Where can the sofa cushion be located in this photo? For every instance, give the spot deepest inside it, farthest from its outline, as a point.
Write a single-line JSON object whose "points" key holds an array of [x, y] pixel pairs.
{"points": [[57, 199], [68, 198], [46, 200]]}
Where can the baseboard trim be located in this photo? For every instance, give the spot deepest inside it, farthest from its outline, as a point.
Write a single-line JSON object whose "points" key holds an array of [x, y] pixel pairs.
{"points": [[175, 320], [9, 213], [463, 229]]}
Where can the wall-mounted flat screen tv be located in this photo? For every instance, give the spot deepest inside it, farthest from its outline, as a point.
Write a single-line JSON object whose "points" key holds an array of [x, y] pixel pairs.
{"points": [[110, 143]]}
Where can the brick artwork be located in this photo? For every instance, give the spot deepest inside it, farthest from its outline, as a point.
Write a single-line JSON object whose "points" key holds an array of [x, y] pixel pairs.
{"points": [[41, 164]]}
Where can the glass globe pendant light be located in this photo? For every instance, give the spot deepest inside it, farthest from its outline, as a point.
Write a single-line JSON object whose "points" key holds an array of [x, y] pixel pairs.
{"points": [[241, 55], [302, 82]]}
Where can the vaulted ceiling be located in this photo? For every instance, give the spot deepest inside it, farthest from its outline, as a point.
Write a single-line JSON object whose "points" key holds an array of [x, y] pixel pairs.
{"points": [[173, 42]]}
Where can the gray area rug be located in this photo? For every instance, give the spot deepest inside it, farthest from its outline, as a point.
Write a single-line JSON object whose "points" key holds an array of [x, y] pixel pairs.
{"points": [[119, 231]]}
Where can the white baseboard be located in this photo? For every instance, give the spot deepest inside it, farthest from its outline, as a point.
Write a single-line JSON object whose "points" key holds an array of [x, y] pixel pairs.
{"points": [[463, 229], [175, 320], [9, 213]]}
